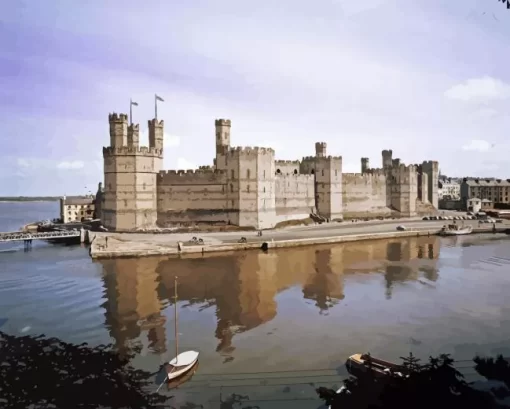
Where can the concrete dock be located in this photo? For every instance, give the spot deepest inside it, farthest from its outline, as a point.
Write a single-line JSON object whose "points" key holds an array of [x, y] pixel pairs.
{"points": [[112, 245]]}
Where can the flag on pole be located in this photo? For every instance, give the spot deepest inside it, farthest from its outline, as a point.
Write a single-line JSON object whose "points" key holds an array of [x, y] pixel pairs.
{"points": [[158, 98], [134, 103]]}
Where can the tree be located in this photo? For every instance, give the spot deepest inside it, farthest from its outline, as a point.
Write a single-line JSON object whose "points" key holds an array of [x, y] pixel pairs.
{"points": [[41, 372], [507, 2], [436, 384]]}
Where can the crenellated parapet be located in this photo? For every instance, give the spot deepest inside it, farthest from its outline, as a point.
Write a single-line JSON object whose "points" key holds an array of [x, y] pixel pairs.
{"points": [[250, 151], [376, 172], [378, 178], [109, 151], [223, 122], [287, 162], [114, 117], [315, 158], [192, 176], [156, 123], [431, 164], [291, 177]]}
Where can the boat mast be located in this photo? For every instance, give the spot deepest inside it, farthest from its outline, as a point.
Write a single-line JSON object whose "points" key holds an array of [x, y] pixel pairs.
{"points": [[175, 323]]}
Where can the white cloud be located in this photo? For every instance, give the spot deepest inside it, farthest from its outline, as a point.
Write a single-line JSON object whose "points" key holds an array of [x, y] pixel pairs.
{"points": [[73, 165], [478, 145], [185, 164], [23, 163], [479, 90]]}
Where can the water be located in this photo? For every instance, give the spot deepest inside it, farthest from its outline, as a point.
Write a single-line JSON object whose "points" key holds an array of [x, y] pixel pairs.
{"points": [[284, 322]]}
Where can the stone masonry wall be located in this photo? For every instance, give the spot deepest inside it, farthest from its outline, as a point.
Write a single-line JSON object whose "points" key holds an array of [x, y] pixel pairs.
{"points": [[295, 195], [364, 195]]}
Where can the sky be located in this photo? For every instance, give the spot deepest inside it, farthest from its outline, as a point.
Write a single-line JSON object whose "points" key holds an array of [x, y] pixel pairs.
{"points": [[428, 79]]}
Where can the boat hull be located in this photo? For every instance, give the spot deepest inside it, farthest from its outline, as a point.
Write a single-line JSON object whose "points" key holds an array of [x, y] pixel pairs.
{"points": [[181, 364], [357, 365], [460, 232]]}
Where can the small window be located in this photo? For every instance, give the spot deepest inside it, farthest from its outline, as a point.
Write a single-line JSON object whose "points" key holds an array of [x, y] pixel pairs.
{"points": [[232, 204], [231, 188], [248, 174], [248, 188], [233, 175], [264, 174], [295, 171], [278, 171], [322, 172], [264, 190]]}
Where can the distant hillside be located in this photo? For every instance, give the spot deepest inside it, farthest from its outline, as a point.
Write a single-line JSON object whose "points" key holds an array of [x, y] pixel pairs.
{"points": [[32, 198]]}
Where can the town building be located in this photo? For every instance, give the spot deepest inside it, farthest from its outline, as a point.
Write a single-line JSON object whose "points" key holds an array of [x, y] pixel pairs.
{"points": [[249, 187], [76, 209], [492, 192]]}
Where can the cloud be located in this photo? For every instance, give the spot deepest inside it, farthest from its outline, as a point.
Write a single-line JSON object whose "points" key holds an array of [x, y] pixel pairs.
{"points": [[478, 145], [73, 165], [185, 164], [479, 90]]}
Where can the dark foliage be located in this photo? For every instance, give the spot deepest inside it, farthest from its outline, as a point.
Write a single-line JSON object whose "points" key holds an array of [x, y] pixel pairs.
{"points": [[436, 384], [507, 2], [41, 372]]}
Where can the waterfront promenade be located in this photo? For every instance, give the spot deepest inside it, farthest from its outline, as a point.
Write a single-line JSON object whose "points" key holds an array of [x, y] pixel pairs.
{"points": [[110, 245]]}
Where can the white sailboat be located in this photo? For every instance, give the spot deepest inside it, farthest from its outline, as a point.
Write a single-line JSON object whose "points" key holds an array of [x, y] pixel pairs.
{"points": [[455, 230], [184, 361]]}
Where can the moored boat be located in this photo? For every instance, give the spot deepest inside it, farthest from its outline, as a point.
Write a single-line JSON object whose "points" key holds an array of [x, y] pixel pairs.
{"points": [[455, 230], [362, 364]]}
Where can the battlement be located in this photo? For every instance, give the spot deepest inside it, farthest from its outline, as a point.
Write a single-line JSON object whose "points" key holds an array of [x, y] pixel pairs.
{"points": [[294, 177], [223, 122], [251, 150], [314, 158], [387, 152], [407, 168], [192, 176], [363, 178], [376, 171], [287, 162], [114, 117], [155, 123], [430, 164], [134, 127], [131, 151]]}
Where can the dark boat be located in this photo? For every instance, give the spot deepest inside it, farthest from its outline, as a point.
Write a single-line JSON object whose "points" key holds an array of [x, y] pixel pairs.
{"points": [[363, 364]]}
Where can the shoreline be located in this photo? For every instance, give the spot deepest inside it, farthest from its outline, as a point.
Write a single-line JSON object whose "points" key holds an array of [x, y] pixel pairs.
{"points": [[258, 245], [105, 245]]}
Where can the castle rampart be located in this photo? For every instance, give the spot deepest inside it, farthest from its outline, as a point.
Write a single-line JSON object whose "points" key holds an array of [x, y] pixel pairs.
{"points": [[246, 186]]}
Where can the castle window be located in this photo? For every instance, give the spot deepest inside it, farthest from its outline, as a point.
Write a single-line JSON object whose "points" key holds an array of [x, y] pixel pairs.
{"points": [[264, 190], [312, 172], [222, 189], [264, 174], [233, 174], [278, 171], [248, 188], [295, 171], [144, 186], [248, 174], [232, 204], [231, 188], [322, 172]]}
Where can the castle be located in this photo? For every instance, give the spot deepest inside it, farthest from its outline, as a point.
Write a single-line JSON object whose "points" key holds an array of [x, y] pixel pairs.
{"points": [[248, 187]]}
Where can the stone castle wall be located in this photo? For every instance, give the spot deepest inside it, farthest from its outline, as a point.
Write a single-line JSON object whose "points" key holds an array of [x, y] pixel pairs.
{"points": [[247, 186]]}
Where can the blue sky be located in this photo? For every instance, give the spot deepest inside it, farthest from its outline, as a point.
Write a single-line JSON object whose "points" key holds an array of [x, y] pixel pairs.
{"points": [[429, 80]]}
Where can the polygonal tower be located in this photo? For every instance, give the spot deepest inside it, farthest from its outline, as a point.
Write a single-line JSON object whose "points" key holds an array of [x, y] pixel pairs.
{"points": [[130, 174], [328, 183], [223, 127]]}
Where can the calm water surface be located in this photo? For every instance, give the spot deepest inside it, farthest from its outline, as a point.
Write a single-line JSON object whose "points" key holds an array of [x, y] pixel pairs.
{"points": [[289, 310]]}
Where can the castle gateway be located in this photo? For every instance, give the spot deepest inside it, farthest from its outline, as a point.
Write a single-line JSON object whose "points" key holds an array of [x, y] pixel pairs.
{"points": [[248, 187]]}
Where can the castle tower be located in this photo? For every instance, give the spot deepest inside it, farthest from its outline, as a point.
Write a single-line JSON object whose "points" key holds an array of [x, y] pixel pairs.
{"points": [[320, 149], [223, 127], [130, 174], [118, 129], [328, 184], [431, 168], [133, 135], [251, 187], [364, 165], [156, 135], [387, 159]]}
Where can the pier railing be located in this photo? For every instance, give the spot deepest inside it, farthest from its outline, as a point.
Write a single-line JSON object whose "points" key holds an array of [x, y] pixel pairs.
{"points": [[19, 236]]}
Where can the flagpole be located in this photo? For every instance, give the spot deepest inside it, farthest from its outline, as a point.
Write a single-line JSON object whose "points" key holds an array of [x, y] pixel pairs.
{"points": [[156, 107], [130, 111]]}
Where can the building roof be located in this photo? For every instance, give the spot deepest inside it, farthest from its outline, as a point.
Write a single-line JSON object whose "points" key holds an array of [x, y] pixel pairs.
{"points": [[487, 182], [70, 200]]}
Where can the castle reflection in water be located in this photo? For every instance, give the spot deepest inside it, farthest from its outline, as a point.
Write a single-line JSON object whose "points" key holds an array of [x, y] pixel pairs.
{"points": [[243, 286]]}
